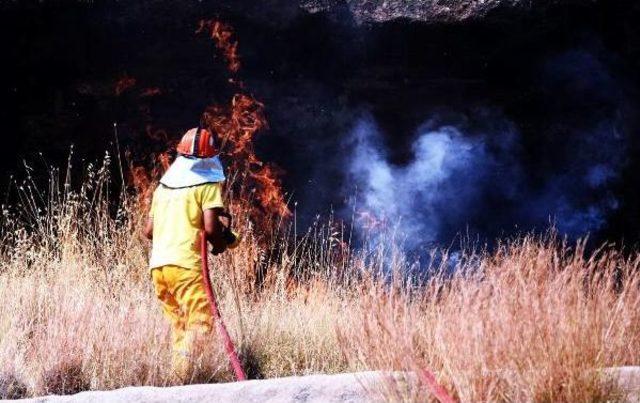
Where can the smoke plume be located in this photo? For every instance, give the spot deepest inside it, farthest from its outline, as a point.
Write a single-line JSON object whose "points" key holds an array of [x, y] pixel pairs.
{"points": [[469, 175]]}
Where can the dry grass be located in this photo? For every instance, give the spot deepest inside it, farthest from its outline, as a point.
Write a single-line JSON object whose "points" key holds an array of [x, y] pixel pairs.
{"points": [[531, 321]]}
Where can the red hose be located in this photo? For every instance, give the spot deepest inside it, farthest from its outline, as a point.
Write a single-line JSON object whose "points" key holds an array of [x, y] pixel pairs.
{"points": [[436, 389], [228, 343]]}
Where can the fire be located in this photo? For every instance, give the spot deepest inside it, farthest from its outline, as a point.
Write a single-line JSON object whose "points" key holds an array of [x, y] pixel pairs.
{"points": [[142, 181], [270, 195], [164, 159], [236, 125], [222, 35]]}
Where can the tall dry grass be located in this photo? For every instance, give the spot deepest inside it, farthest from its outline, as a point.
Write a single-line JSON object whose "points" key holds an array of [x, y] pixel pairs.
{"points": [[533, 320]]}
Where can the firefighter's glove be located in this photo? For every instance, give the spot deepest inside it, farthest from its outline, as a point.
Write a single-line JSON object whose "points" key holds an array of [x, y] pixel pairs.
{"points": [[218, 246], [227, 237]]}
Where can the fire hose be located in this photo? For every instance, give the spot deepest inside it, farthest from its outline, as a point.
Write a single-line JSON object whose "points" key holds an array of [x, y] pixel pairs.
{"points": [[436, 389], [215, 311]]}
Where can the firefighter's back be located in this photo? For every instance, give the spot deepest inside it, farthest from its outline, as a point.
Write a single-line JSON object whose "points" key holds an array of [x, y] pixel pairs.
{"points": [[177, 221]]}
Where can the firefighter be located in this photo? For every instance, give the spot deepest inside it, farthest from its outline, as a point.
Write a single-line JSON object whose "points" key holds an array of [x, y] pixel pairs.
{"points": [[188, 200]]}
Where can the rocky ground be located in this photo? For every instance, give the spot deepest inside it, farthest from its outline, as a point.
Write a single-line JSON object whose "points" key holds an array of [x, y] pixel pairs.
{"points": [[340, 388], [430, 11]]}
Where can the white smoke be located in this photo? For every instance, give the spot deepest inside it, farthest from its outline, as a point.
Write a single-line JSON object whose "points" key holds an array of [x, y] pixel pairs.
{"points": [[473, 182], [447, 173], [475, 173]]}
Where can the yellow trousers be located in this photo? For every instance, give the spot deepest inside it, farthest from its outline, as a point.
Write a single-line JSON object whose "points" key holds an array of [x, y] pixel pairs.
{"points": [[184, 302]]}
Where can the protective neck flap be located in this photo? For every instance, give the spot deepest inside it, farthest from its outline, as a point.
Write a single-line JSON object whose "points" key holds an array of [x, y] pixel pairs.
{"points": [[186, 172]]}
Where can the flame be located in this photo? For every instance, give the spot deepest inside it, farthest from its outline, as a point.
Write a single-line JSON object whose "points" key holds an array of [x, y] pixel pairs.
{"points": [[124, 83], [236, 126], [164, 159], [144, 180], [270, 195], [222, 34], [143, 184]]}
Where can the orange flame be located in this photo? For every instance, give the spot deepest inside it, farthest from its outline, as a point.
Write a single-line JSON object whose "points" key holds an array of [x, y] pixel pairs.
{"points": [[164, 160], [236, 126], [144, 180], [270, 195], [222, 34]]}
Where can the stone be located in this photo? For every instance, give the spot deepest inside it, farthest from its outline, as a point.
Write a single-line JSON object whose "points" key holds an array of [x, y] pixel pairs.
{"points": [[340, 388], [429, 11]]}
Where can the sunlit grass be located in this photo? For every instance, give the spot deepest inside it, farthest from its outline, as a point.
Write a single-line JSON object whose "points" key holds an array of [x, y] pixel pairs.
{"points": [[531, 321]]}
